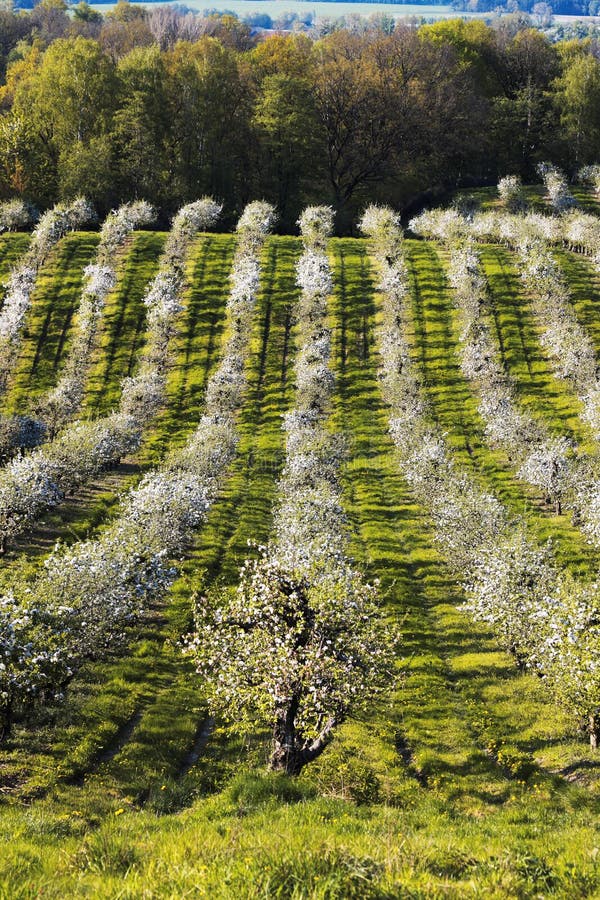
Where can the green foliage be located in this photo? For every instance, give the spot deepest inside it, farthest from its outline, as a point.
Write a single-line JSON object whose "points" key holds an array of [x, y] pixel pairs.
{"points": [[67, 106], [251, 790], [133, 104], [343, 773], [578, 100]]}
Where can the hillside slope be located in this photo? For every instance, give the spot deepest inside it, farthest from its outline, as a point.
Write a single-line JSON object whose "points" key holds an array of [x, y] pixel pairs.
{"points": [[469, 782]]}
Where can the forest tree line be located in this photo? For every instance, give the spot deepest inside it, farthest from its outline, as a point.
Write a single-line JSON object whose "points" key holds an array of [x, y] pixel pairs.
{"points": [[116, 110]]}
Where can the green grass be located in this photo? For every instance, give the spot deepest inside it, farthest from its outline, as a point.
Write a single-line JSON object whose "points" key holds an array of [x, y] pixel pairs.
{"points": [[535, 197], [12, 247], [93, 506], [584, 284], [517, 331], [434, 338], [150, 697], [49, 321], [197, 344], [123, 323], [466, 782], [446, 654]]}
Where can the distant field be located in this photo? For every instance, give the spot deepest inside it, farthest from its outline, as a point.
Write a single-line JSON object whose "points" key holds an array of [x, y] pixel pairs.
{"points": [[275, 8], [332, 9]]}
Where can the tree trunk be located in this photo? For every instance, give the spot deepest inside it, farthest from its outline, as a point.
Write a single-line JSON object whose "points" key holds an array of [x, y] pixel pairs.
{"points": [[285, 753], [286, 760], [290, 754], [594, 731], [5, 721]]}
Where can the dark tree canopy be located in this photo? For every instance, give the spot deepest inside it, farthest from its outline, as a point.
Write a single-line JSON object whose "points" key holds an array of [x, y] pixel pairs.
{"points": [[168, 106]]}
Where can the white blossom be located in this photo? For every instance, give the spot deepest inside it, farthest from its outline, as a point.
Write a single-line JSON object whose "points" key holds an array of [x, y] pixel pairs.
{"points": [[511, 193], [557, 190], [51, 227], [547, 619], [103, 585], [15, 215], [301, 642], [313, 274], [316, 224]]}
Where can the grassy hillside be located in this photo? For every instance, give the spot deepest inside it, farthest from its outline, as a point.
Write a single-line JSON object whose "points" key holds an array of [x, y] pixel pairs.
{"points": [[468, 781]]}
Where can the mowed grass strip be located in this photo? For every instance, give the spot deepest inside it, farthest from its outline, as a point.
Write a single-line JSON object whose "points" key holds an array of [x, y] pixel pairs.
{"points": [[175, 751], [92, 507], [434, 336], [584, 284], [428, 721], [469, 723], [452, 402], [517, 332], [106, 695], [13, 246], [49, 320], [197, 345], [123, 324]]}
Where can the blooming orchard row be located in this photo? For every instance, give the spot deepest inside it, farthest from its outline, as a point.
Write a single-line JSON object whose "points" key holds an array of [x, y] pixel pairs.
{"points": [[552, 463], [63, 402], [547, 463], [87, 594], [29, 485], [51, 227], [301, 641], [549, 622], [566, 342], [15, 215], [558, 194], [576, 230]]}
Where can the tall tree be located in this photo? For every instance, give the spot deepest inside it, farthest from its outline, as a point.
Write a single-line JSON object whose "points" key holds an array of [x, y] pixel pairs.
{"points": [[577, 98], [66, 106], [140, 125], [523, 120], [287, 147], [209, 115], [357, 104]]}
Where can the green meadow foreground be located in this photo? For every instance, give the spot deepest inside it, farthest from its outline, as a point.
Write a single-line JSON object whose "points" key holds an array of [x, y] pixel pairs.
{"points": [[468, 781]]}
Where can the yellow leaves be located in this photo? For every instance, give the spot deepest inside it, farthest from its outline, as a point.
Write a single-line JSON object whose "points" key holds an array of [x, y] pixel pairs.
{"points": [[18, 72]]}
